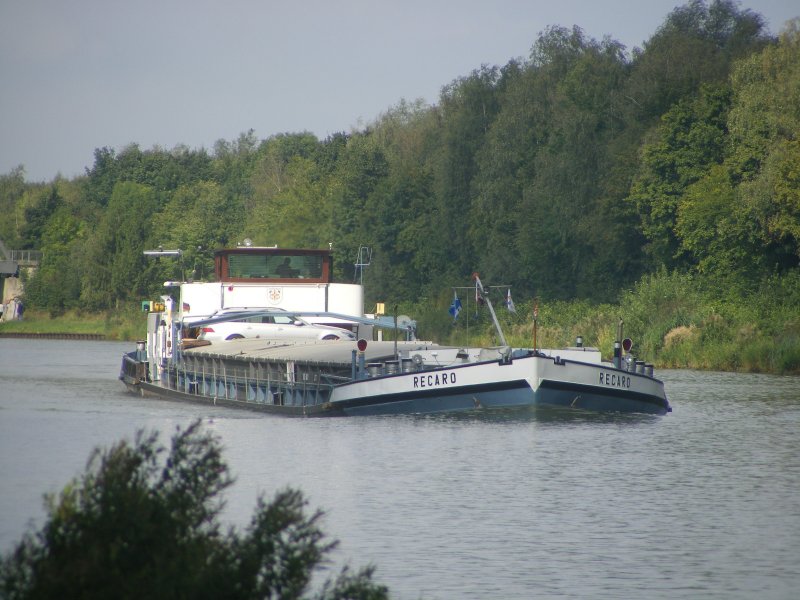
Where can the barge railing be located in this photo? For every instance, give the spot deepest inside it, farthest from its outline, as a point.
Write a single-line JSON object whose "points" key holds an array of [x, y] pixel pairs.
{"points": [[243, 383]]}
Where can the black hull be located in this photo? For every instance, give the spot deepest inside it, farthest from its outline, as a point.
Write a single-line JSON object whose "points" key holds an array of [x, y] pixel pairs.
{"points": [[152, 390]]}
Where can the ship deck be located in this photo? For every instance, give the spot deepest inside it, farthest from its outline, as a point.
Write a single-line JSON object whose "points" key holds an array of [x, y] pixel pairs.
{"points": [[323, 352]]}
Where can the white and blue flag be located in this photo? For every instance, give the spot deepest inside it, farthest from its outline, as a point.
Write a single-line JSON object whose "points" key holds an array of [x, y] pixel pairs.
{"points": [[455, 307], [510, 303]]}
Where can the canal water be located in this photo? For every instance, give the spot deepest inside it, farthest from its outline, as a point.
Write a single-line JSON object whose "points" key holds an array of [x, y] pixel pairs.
{"points": [[701, 503]]}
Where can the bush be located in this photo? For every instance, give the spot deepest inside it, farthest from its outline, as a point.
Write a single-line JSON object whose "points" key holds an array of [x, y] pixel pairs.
{"points": [[133, 526]]}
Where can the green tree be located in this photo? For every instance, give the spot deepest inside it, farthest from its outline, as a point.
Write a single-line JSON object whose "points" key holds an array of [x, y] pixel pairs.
{"points": [[233, 165], [197, 220], [12, 189], [505, 164], [56, 285], [137, 524], [764, 151], [714, 228], [691, 139], [294, 207], [116, 269], [38, 205], [466, 111], [289, 203], [163, 171], [766, 100], [400, 214], [100, 179], [361, 168], [696, 45], [773, 200], [400, 223], [569, 226]]}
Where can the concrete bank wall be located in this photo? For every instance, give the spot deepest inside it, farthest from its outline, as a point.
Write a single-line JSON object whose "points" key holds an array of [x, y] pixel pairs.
{"points": [[12, 288]]}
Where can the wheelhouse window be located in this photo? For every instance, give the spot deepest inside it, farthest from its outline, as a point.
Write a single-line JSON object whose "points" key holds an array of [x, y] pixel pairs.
{"points": [[269, 263]]}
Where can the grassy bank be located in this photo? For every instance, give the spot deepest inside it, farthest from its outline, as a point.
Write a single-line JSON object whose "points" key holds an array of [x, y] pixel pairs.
{"points": [[674, 320], [118, 325]]}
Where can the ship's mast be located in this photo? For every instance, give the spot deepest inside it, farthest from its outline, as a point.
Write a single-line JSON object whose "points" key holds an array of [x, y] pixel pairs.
{"points": [[491, 309]]}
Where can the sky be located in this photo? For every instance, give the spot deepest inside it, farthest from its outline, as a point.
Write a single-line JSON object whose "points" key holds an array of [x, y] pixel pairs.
{"points": [[84, 74]]}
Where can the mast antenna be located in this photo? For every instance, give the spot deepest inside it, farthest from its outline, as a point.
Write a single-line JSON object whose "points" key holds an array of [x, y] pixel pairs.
{"points": [[363, 260]]}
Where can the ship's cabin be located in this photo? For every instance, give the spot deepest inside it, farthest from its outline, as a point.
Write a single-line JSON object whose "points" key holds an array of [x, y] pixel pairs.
{"points": [[279, 265]]}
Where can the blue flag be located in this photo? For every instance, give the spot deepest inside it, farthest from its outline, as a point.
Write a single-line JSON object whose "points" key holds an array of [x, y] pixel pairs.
{"points": [[455, 307]]}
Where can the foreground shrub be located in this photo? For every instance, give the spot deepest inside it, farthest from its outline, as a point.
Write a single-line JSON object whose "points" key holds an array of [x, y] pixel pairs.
{"points": [[134, 526]]}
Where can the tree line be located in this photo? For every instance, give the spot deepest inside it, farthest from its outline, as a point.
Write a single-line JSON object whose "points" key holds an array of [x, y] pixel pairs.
{"points": [[571, 173]]}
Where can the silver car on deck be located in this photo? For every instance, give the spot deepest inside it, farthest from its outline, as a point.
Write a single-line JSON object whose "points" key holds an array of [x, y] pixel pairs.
{"points": [[271, 327]]}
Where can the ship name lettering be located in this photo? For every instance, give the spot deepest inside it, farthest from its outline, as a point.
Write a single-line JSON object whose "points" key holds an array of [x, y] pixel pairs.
{"points": [[615, 380], [434, 379]]}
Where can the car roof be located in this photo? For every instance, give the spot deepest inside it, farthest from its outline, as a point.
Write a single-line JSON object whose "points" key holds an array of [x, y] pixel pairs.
{"points": [[250, 309]]}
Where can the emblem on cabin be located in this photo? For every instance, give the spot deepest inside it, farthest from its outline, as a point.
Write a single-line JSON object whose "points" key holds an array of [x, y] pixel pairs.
{"points": [[275, 295]]}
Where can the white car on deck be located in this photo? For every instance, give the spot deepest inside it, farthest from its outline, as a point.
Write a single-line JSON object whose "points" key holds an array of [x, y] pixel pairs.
{"points": [[267, 326]]}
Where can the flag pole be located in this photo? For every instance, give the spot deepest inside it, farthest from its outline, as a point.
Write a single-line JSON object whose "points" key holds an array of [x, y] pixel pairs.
{"points": [[479, 285]]}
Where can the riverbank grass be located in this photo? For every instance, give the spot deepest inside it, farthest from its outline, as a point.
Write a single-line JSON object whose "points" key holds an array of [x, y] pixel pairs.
{"points": [[673, 320], [123, 325]]}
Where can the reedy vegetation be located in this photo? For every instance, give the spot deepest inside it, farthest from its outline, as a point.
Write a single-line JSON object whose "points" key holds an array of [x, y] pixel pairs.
{"points": [[661, 186]]}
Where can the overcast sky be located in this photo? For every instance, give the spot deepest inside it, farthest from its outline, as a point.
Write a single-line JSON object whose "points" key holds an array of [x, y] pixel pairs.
{"points": [[82, 74]]}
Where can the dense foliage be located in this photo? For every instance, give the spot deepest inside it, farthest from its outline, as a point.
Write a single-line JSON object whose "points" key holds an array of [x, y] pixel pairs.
{"points": [[137, 524], [571, 174]]}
